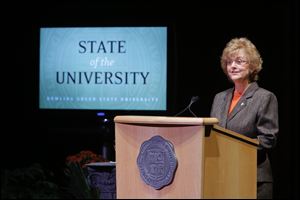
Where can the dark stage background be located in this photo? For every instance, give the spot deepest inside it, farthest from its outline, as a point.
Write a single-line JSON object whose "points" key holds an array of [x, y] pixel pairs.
{"points": [[198, 34]]}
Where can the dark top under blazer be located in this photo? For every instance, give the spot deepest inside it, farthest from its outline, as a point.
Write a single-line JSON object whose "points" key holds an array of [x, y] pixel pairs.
{"points": [[256, 116]]}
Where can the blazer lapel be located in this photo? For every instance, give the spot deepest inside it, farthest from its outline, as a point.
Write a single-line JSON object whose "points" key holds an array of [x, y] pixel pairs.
{"points": [[239, 106], [242, 103], [225, 105]]}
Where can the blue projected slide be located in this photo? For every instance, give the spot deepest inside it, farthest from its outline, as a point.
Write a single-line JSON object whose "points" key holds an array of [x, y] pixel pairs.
{"points": [[105, 68]]}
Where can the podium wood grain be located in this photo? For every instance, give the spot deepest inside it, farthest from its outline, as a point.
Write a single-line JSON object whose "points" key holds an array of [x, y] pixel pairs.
{"points": [[221, 164], [188, 143]]}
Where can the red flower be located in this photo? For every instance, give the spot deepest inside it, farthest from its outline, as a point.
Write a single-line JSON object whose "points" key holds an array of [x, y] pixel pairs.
{"points": [[85, 157]]}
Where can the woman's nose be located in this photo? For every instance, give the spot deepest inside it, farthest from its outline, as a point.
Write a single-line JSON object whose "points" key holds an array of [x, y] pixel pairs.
{"points": [[232, 65]]}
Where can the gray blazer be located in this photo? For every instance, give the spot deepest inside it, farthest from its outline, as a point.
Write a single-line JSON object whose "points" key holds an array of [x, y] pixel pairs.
{"points": [[255, 116]]}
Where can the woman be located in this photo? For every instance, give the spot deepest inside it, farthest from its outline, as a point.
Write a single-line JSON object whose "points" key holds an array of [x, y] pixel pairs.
{"points": [[247, 108]]}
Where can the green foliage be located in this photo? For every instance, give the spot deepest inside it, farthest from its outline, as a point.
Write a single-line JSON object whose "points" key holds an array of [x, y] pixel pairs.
{"points": [[32, 182], [77, 186], [35, 182]]}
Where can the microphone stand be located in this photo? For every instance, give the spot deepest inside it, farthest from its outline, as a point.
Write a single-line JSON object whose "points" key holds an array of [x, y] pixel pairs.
{"points": [[193, 100]]}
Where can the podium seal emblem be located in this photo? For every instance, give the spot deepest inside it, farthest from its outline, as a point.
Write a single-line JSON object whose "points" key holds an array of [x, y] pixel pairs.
{"points": [[157, 162]]}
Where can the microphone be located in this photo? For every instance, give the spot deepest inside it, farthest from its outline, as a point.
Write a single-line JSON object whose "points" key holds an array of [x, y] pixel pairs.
{"points": [[193, 100]]}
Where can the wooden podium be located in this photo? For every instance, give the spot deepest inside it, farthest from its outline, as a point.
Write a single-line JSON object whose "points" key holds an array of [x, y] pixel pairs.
{"points": [[212, 162]]}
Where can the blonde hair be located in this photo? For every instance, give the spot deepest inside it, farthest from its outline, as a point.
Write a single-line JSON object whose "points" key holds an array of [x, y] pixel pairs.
{"points": [[255, 60]]}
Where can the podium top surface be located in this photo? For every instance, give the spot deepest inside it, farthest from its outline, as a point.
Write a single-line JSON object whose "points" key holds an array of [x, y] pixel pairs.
{"points": [[135, 119], [236, 135]]}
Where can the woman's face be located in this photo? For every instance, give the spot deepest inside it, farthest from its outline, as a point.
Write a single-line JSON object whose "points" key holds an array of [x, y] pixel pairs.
{"points": [[238, 66]]}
